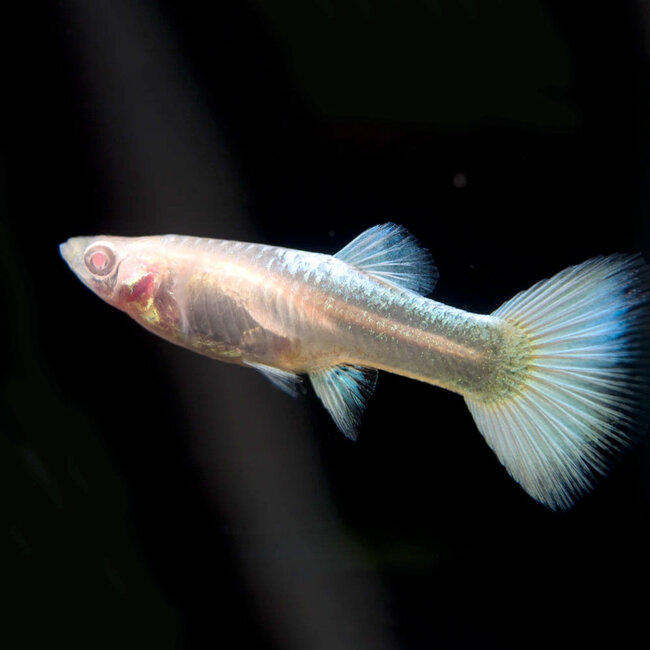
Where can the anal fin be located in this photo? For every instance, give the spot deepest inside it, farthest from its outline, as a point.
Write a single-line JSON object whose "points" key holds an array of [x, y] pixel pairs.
{"points": [[344, 391]]}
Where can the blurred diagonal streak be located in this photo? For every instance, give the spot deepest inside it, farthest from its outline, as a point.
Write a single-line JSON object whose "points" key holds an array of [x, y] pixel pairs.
{"points": [[164, 150], [169, 174]]}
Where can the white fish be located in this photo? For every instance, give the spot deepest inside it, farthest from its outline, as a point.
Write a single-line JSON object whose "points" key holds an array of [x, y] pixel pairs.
{"points": [[557, 378]]}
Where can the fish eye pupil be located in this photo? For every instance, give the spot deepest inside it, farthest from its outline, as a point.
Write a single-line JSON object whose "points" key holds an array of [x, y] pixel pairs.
{"points": [[99, 259]]}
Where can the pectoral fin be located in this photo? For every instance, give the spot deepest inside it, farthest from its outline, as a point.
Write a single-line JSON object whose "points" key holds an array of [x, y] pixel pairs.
{"points": [[287, 381]]}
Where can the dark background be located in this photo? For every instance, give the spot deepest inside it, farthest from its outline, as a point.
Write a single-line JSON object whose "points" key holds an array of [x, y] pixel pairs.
{"points": [[155, 499]]}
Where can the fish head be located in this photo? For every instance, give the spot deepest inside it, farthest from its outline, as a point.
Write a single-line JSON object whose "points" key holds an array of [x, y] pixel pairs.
{"points": [[120, 270]]}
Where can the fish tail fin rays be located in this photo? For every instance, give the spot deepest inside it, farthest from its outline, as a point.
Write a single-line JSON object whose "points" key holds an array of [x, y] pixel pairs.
{"points": [[586, 389]]}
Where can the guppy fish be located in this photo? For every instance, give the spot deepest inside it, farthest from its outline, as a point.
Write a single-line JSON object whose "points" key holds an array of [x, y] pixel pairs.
{"points": [[557, 378]]}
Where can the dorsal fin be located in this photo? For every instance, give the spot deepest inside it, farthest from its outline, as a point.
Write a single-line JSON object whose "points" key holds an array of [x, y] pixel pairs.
{"points": [[391, 253]]}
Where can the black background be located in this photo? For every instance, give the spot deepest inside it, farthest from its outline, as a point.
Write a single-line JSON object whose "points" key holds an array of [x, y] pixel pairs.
{"points": [[153, 498]]}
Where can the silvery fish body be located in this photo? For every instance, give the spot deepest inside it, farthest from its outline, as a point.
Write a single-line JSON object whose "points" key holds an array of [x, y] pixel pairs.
{"points": [[545, 354], [302, 312]]}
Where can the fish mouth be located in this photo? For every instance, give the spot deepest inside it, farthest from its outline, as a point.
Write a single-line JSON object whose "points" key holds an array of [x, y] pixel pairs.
{"points": [[65, 251], [72, 251], [74, 248]]}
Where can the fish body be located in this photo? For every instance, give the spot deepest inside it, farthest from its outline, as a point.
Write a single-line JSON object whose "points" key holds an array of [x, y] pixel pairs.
{"points": [[301, 312], [338, 319]]}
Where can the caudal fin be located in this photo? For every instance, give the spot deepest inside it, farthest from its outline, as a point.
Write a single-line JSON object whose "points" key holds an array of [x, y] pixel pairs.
{"points": [[586, 392]]}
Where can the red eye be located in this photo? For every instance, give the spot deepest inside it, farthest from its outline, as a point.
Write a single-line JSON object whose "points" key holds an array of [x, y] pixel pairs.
{"points": [[99, 259]]}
